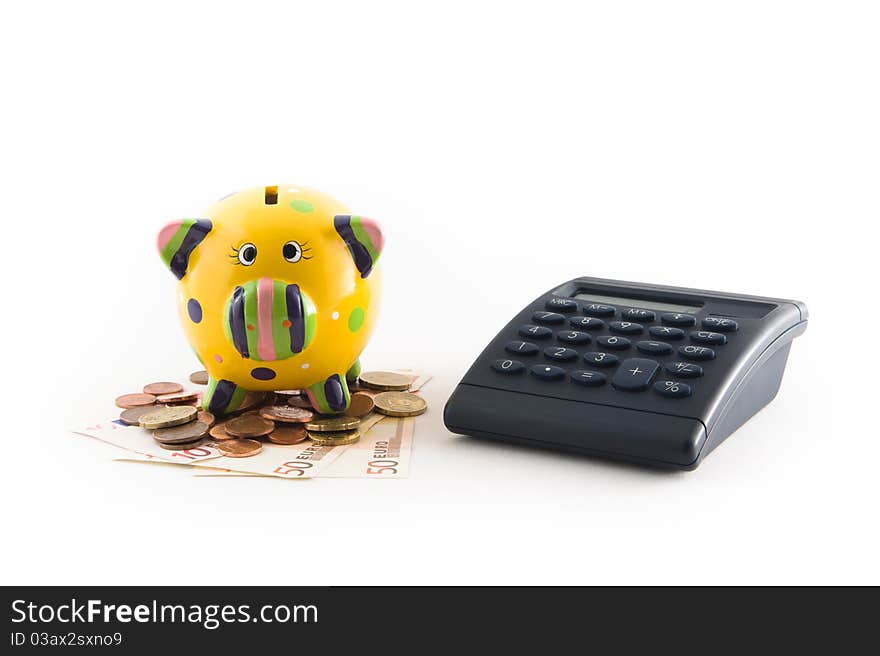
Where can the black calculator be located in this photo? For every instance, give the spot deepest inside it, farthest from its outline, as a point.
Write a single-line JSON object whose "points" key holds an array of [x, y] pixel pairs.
{"points": [[645, 373]]}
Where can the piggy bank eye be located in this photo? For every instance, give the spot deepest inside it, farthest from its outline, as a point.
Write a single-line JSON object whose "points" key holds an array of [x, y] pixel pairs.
{"points": [[292, 251], [247, 254]]}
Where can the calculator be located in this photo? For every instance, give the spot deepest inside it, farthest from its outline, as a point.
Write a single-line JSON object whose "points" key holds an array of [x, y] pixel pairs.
{"points": [[644, 373]]}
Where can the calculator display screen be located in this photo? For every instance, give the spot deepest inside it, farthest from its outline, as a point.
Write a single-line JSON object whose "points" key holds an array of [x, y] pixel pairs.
{"points": [[635, 302]]}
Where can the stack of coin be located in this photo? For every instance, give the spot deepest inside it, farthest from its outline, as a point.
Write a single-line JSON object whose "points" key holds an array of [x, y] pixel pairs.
{"points": [[333, 431]]}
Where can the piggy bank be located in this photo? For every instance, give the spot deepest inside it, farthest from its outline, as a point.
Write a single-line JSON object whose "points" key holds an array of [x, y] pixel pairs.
{"points": [[278, 290]]}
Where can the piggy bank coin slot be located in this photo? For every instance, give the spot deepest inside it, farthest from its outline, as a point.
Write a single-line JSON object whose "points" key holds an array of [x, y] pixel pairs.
{"points": [[272, 195]]}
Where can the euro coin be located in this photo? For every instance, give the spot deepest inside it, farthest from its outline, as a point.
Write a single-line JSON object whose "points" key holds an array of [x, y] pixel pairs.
{"points": [[361, 405], [239, 448], [194, 430], [173, 398], [183, 446], [206, 418], [218, 432], [299, 402], [332, 424], [249, 426], [162, 388], [400, 404], [251, 400], [335, 438], [287, 434], [134, 400], [385, 380], [168, 416], [286, 413], [199, 378], [132, 416]]}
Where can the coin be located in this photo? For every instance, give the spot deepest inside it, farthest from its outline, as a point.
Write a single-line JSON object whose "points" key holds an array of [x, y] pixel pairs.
{"points": [[134, 400], [249, 426], [162, 388], [251, 400], [286, 413], [361, 405], [299, 402], [131, 416], [194, 430], [288, 393], [199, 378], [168, 416], [218, 432], [177, 397], [182, 446], [335, 438], [206, 418], [331, 424], [239, 448], [385, 380], [400, 404], [287, 434]]}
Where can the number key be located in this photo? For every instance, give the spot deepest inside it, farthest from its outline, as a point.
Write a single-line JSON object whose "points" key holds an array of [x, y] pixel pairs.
{"points": [[547, 317], [560, 353], [600, 359], [508, 366], [536, 332], [521, 348], [613, 342], [626, 327], [573, 337], [586, 323]]}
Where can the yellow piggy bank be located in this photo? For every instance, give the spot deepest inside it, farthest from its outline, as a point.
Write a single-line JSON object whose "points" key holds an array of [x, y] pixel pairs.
{"points": [[278, 290]]}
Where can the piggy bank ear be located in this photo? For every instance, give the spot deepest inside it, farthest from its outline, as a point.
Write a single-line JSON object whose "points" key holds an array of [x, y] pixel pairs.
{"points": [[363, 238], [178, 240]]}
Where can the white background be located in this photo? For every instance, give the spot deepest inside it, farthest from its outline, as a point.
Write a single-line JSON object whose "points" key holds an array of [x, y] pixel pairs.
{"points": [[506, 147]]}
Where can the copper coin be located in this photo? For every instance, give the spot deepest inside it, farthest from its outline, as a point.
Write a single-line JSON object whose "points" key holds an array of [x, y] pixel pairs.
{"points": [[332, 424], [300, 402], [249, 426], [199, 378], [132, 416], [286, 413], [194, 430], [206, 418], [288, 434], [239, 448], [361, 405], [134, 400], [167, 417], [336, 438], [218, 432], [162, 388], [173, 398], [385, 380], [251, 400], [182, 446]]}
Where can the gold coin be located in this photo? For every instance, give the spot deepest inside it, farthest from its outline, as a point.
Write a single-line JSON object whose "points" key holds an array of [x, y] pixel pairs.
{"points": [[131, 416], [286, 413], [385, 380], [194, 430], [335, 438], [249, 426], [218, 432], [162, 388], [332, 424], [134, 400], [199, 378], [287, 434], [361, 405], [182, 446], [400, 404], [239, 448], [169, 416]]}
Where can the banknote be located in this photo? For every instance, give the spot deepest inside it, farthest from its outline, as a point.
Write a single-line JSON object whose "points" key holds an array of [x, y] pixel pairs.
{"points": [[382, 452]]}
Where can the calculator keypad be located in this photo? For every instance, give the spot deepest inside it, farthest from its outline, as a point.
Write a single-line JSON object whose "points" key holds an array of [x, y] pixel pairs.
{"points": [[619, 357]]}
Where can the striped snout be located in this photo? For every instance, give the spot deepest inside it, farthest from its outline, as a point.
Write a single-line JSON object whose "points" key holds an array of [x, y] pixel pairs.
{"points": [[269, 320]]}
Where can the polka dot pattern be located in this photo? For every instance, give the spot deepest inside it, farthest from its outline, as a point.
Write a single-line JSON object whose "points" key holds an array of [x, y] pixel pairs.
{"points": [[194, 308], [263, 373], [356, 319], [300, 205]]}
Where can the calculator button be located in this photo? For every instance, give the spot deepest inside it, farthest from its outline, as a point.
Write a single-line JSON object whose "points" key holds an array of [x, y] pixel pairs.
{"points": [[597, 310], [626, 327], [692, 352], [508, 366], [678, 319], [672, 389], [561, 305], [654, 348], [573, 337], [632, 314], [708, 337], [665, 332], [547, 371], [684, 369], [720, 324], [560, 353], [613, 342], [599, 359], [588, 377], [536, 332], [634, 374], [521, 348], [586, 323], [547, 317]]}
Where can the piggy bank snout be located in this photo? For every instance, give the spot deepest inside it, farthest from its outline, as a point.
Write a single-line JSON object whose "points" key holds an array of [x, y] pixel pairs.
{"points": [[268, 319]]}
